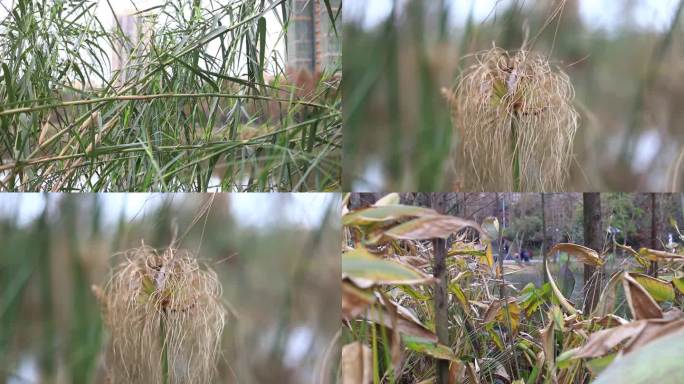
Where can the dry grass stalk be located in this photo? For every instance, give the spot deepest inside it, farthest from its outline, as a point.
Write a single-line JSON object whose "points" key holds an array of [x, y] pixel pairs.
{"points": [[516, 121], [165, 317]]}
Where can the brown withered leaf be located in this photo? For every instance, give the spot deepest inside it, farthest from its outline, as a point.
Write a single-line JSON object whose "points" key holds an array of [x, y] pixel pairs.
{"points": [[606, 321], [641, 304], [631, 336], [605, 340], [355, 301], [430, 227], [547, 343], [660, 361], [357, 364], [400, 319], [654, 330], [457, 370], [395, 339], [585, 255]]}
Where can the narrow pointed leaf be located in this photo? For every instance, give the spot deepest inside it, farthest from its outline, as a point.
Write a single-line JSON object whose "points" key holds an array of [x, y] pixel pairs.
{"points": [[429, 227], [366, 269], [585, 255]]}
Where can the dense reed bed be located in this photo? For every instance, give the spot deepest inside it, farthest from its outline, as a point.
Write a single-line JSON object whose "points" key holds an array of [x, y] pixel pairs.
{"points": [[195, 96]]}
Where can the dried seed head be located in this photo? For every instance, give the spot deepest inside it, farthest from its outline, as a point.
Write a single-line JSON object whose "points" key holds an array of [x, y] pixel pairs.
{"points": [[154, 300], [504, 89]]}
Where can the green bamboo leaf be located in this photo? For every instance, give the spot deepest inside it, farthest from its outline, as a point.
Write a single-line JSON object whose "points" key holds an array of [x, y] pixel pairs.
{"points": [[261, 36], [331, 15], [427, 347], [11, 97]]}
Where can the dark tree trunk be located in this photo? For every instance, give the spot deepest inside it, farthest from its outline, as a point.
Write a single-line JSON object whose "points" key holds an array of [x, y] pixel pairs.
{"points": [[655, 229], [592, 239], [439, 202]]}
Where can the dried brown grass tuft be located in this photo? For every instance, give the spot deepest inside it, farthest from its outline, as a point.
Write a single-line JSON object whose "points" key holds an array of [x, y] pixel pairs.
{"points": [[505, 92], [162, 309]]}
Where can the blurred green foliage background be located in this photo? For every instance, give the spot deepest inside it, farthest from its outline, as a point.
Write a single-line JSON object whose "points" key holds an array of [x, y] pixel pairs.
{"points": [[625, 59], [276, 256]]}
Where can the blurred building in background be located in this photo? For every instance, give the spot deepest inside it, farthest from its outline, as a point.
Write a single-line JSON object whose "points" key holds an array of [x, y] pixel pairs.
{"points": [[134, 30], [311, 39]]}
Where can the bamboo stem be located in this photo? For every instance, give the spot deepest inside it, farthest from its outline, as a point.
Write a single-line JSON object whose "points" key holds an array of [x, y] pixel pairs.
{"points": [[514, 148], [156, 96], [165, 352]]}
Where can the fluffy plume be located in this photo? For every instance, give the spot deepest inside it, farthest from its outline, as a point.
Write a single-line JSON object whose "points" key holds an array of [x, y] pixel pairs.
{"points": [[516, 121], [165, 317]]}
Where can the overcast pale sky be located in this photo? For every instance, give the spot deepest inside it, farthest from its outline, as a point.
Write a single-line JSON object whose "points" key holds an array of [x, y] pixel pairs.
{"points": [[597, 14], [252, 209], [129, 6], [274, 42]]}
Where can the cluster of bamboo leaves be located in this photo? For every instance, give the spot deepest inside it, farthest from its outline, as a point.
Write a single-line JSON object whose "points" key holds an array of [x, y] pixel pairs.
{"points": [[188, 109], [496, 333]]}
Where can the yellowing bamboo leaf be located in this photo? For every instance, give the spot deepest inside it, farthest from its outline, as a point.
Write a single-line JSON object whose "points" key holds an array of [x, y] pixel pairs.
{"points": [[456, 290], [357, 364], [639, 258], [655, 255], [365, 270], [429, 227], [556, 315], [429, 347], [489, 256], [659, 289], [494, 335], [460, 248], [640, 302], [390, 199], [678, 282], [503, 314], [384, 213], [585, 255]]}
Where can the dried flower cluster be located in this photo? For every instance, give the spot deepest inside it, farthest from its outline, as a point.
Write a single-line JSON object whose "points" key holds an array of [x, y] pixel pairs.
{"points": [[516, 123], [165, 317]]}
